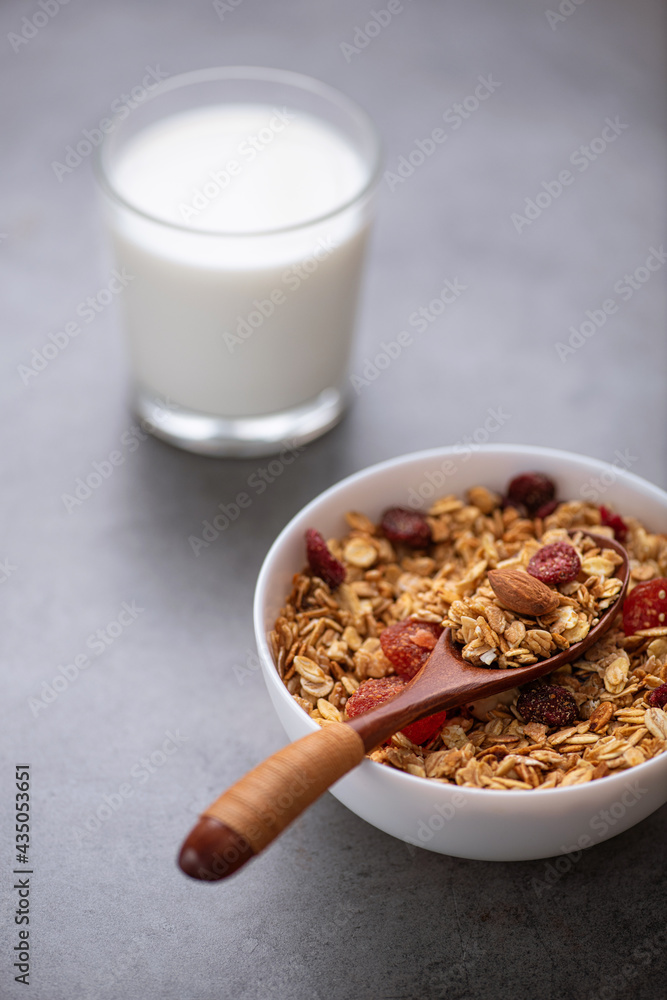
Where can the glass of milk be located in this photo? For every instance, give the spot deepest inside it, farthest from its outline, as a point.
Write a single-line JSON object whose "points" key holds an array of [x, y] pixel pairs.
{"points": [[239, 202]]}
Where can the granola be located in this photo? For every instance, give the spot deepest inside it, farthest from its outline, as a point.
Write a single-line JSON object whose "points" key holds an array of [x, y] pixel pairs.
{"points": [[326, 641], [493, 635]]}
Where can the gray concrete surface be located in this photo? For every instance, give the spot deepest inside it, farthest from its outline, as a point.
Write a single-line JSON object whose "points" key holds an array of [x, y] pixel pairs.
{"points": [[336, 909]]}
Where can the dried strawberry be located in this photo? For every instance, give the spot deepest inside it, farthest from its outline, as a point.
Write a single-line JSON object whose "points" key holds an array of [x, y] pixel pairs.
{"points": [[549, 704], [424, 730], [533, 489], [657, 698], [372, 693], [408, 526], [408, 644], [645, 606], [615, 521], [557, 563], [376, 691], [546, 508], [321, 562]]}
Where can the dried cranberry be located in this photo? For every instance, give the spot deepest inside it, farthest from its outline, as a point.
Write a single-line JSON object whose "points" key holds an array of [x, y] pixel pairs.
{"points": [[408, 644], [557, 563], [321, 562], [615, 521], [645, 606], [657, 698], [533, 489], [408, 526], [376, 691], [546, 508], [549, 704]]}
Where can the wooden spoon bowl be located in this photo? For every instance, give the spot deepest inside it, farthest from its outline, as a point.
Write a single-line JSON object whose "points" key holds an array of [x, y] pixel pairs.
{"points": [[250, 814]]}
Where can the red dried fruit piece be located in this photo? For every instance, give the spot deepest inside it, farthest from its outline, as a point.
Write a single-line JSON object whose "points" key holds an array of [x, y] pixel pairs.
{"points": [[408, 644], [533, 489], [549, 704], [372, 693], [615, 521], [547, 508], [424, 730], [321, 562], [408, 526], [658, 697], [557, 563], [376, 691], [646, 606]]}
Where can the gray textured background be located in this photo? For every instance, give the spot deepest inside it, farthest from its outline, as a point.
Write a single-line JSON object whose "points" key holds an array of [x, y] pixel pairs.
{"points": [[336, 908]]}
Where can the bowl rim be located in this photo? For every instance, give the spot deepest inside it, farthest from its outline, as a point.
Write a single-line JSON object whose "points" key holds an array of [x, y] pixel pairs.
{"points": [[273, 680]]}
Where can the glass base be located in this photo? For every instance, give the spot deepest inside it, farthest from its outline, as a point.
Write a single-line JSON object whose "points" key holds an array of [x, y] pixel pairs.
{"points": [[240, 437]]}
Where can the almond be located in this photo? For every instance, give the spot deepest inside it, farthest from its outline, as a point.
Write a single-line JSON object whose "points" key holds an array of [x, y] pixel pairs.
{"points": [[522, 593]]}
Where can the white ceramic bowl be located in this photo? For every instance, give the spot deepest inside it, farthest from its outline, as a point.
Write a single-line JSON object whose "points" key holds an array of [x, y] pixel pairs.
{"points": [[467, 822]]}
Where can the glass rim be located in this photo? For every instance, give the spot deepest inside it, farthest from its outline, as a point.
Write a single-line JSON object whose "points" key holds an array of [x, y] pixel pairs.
{"points": [[259, 74]]}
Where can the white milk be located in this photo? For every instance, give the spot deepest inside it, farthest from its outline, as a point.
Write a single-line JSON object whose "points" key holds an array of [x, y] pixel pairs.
{"points": [[224, 316]]}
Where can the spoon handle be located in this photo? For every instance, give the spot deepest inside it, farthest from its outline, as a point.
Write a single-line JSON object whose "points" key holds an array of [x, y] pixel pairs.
{"points": [[250, 815]]}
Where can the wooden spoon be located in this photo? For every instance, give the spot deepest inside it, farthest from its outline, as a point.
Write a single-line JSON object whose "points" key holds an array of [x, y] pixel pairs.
{"points": [[251, 814]]}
